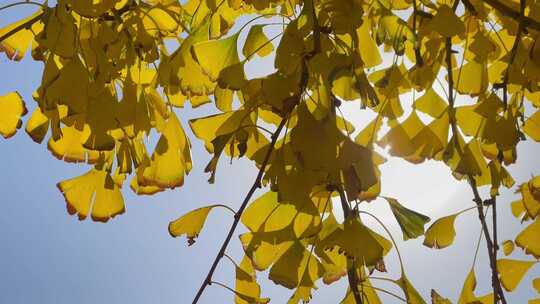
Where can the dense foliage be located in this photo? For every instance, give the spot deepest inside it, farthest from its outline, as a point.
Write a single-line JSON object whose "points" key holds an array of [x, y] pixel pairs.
{"points": [[110, 80]]}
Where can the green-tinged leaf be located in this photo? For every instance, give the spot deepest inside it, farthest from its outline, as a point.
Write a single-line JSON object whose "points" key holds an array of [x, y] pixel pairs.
{"points": [[411, 222], [215, 55]]}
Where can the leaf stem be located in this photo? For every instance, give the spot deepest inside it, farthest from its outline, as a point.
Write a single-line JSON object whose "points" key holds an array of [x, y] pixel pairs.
{"points": [[385, 291], [226, 207], [223, 285], [256, 184]]}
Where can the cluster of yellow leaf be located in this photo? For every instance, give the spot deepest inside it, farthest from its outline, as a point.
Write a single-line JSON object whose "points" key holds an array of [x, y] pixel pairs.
{"points": [[110, 80]]}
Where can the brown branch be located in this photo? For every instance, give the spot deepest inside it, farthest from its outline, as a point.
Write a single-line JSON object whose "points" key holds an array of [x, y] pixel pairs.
{"points": [[256, 184], [351, 272], [495, 282]]}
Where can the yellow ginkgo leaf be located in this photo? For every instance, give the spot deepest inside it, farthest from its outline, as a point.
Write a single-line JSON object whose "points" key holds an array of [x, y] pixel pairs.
{"points": [[529, 239], [368, 293], [94, 193], [438, 299], [441, 233], [60, 32], [431, 103], [190, 223], [356, 241], [471, 78], [512, 272], [446, 23], [531, 204], [215, 55], [267, 214], [344, 85], [265, 248], [91, 8], [171, 159], [467, 295], [180, 69], [532, 126], [536, 284], [247, 290], [143, 190], [69, 147], [16, 45], [290, 268], [232, 77], [401, 135], [37, 126], [367, 46], [508, 247], [257, 43], [412, 295], [12, 108]]}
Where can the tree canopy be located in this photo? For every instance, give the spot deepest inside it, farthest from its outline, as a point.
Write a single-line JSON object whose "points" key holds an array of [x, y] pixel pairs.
{"points": [[114, 70]]}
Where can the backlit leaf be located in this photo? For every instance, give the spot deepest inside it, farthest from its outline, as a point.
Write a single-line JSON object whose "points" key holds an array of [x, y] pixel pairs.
{"points": [[529, 239], [93, 193], [215, 55], [508, 247], [12, 108], [257, 43], [467, 295], [190, 224], [532, 126], [441, 233], [512, 272], [247, 290], [411, 222]]}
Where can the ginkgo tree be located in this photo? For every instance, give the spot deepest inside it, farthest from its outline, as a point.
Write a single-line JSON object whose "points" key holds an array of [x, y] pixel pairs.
{"points": [[111, 78]]}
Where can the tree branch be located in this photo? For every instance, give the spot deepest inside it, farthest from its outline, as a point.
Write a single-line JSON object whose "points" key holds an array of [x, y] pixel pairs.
{"points": [[496, 284], [256, 184]]}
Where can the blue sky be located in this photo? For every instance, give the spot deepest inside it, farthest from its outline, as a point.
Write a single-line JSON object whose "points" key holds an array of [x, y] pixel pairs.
{"points": [[50, 257]]}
